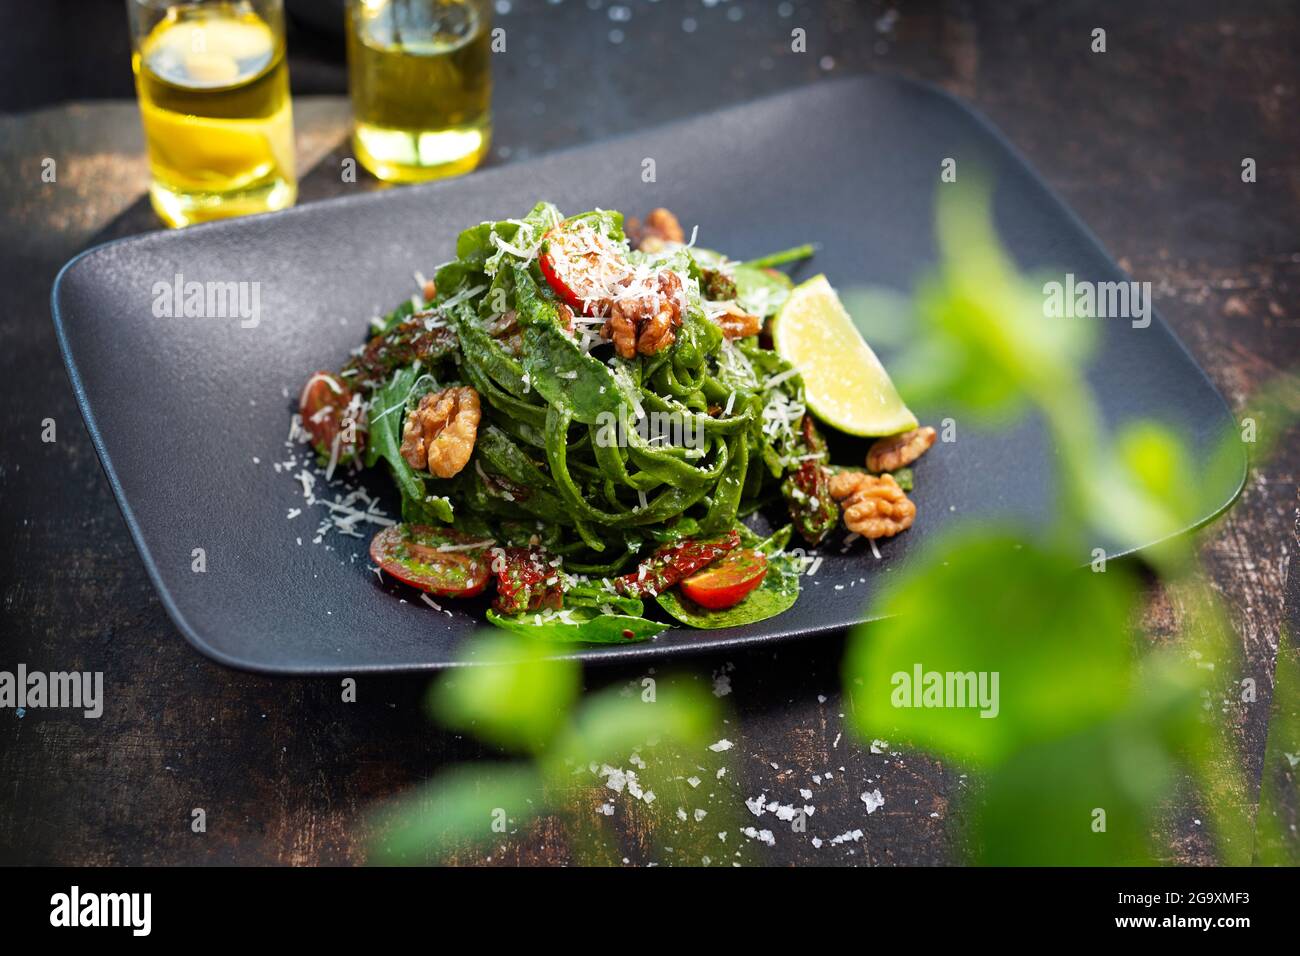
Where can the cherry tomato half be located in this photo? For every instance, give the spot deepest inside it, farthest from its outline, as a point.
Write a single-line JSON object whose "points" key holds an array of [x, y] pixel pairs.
{"points": [[570, 257], [727, 581], [422, 556], [323, 406]]}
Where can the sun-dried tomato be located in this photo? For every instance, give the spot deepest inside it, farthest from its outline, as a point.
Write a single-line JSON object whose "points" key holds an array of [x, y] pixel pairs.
{"points": [[526, 581], [672, 562], [807, 488], [410, 341]]}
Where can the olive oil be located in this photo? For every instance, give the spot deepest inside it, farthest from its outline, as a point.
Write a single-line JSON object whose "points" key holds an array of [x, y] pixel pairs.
{"points": [[214, 98], [420, 76]]}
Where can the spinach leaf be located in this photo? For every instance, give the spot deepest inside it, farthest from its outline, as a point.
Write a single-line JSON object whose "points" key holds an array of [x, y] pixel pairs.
{"points": [[588, 626], [454, 276], [777, 593], [594, 597], [758, 292], [474, 246], [536, 492]]}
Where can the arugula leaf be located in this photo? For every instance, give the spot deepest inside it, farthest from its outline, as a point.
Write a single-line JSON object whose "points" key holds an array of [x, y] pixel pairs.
{"points": [[772, 545], [589, 626], [385, 434], [434, 509]]}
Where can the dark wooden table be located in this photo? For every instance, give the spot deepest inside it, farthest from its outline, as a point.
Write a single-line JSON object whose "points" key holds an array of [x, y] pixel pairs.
{"points": [[1145, 141]]}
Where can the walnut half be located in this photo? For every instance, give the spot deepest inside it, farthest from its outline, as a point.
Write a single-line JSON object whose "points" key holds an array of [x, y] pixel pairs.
{"points": [[646, 323], [661, 227], [874, 505], [439, 434], [898, 451], [736, 323]]}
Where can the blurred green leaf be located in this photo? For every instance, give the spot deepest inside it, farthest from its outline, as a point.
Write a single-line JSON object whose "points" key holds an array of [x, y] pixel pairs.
{"points": [[1156, 459], [1224, 472], [1085, 722], [1269, 414], [1277, 840], [613, 723], [514, 697], [986, 340], [1161, 494], [468, 804], [1251, 439], [1056, 636], [652, 736], [1081, 800], [883, 316]]}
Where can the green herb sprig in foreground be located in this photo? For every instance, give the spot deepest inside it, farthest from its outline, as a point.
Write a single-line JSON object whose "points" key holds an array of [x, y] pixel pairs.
{"points": [[531, 705], [1093, 732]]}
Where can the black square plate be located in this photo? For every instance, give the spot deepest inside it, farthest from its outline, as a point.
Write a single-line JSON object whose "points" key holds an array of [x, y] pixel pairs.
{"points": [[189, 416]]}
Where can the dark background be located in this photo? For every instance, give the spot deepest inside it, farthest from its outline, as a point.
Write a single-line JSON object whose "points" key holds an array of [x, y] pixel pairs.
{"points": [[1144, 142]]}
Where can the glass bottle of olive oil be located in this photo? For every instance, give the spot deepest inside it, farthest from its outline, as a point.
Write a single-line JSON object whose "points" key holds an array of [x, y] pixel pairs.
{"points": [[214, 98], [420, 75]]}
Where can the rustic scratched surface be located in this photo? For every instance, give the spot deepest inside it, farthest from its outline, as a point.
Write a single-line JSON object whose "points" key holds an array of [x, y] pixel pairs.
{"points": [[1145, 142]]}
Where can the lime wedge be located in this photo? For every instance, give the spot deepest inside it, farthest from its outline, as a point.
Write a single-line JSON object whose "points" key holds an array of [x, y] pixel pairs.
{"points": [[846, 385]]}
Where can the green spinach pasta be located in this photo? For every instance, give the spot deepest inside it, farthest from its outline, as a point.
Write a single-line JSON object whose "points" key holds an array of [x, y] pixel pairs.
{"points": [[582, 421]]}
